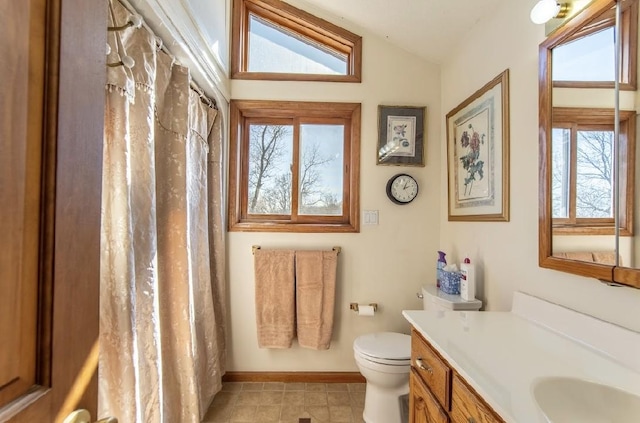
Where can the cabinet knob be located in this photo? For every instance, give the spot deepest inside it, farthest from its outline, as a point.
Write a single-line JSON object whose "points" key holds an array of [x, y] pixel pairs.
{"points": [[471, 420], [422, 366]]}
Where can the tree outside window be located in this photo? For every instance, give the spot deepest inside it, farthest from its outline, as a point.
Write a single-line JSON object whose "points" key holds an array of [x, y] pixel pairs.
{"points": [[294, 166], [582, 163]]}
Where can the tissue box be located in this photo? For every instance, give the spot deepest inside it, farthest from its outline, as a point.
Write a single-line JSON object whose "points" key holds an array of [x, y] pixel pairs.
{"points": [[450, 282]]}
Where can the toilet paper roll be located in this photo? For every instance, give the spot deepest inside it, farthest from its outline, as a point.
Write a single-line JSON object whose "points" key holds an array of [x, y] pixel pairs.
{"points": [[365, 310]]}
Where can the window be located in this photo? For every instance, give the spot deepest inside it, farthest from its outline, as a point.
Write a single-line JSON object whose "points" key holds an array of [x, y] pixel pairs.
{"points": [[586, 60], [583, 172], [280, 42], [294, 166]]}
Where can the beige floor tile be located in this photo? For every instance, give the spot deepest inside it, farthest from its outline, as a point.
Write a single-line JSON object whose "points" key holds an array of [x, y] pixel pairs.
{"points": [[218, 413], [291, 413], [357, 387], [244, 413], [356, 413], [340, 414], [318, 413], [293, 398], [273, 386], [294, 386], [276, 402], [249, 398], [336, 387], [338, 398], [223, 397], [357, 398], [268, 413], [252, 386], [231, 386], [315, 387], [271, 397], [315, 398]]}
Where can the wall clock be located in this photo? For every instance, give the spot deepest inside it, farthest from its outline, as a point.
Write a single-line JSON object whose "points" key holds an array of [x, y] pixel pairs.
{"points": [[402, 188]]}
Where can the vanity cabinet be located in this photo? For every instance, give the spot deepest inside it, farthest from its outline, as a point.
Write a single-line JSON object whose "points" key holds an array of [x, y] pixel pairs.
{"points": [[437, 393], [424, 407]]}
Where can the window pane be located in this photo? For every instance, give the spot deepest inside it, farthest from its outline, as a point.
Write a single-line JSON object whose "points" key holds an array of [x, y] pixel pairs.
{"points": [[270, 156], [590, 58], [560, 165], [321, 164], [594, 181], [274, 50]]}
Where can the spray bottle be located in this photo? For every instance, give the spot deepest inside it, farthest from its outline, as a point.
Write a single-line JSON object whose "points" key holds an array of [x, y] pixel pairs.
{"points": [[467, 280]]}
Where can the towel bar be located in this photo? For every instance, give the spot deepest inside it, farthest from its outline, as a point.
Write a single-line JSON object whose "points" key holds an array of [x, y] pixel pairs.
{"points": [[257, 247]]}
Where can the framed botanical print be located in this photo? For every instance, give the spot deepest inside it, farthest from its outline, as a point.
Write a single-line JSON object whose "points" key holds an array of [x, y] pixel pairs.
{"points": [[478, 154]]}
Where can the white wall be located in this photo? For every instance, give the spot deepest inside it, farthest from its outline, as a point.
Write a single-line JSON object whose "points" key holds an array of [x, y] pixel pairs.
{"points": [[508, 252], [387, 263]]}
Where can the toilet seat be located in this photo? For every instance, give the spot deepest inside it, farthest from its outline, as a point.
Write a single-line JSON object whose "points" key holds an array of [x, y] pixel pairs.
{"points": [[389, 348]]}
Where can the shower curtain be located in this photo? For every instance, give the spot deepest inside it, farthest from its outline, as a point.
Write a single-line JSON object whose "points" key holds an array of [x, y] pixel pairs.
{"points": [[162, 266]]}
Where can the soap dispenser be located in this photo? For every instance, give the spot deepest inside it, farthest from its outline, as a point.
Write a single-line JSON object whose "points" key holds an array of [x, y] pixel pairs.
{"points": [[467, 280], [440, 264]]}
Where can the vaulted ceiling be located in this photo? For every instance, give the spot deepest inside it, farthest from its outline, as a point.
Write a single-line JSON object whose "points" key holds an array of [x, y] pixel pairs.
{"points": [[427, 28]]}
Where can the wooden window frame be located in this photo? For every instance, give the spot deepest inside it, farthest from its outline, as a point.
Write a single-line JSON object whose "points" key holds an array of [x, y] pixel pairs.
{"points": [[292, 20], [629, 36], [244, 112], [597, 118]]}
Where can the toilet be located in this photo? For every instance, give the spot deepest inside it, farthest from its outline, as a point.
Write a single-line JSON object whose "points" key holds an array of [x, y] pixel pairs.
{"points": [[384, 359]]}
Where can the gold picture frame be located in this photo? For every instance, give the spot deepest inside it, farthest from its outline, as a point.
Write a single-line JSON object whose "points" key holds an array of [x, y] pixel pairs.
{"points": [[478, 155]]}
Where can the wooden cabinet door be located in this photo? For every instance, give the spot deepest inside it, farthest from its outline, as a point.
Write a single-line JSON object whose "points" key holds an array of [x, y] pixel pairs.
{"points": [[51, 109], [467, 407], [423, 406]]}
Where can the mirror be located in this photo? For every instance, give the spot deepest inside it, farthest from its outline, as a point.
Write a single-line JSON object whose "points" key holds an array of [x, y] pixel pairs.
{"points": [[585, 176]]}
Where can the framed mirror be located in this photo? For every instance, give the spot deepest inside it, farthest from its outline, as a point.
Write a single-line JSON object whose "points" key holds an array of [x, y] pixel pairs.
{"points": [[588, 144]]}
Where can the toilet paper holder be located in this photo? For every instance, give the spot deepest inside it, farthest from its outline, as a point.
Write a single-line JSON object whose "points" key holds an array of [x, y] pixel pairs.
{"points": [[354, 306]]}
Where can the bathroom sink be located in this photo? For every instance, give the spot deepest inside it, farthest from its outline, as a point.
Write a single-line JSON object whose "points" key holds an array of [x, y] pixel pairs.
{"points": [[569, 400]]}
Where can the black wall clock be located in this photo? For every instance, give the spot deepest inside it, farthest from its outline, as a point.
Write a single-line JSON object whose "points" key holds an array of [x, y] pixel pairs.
{"points": [[402, 188]]}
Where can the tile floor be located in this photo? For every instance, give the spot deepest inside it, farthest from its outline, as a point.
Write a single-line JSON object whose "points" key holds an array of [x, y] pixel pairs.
{"points": [[276, 402]]}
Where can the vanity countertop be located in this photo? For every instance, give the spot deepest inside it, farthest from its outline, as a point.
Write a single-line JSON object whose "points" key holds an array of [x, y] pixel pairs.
{"points": [[501, 355]]}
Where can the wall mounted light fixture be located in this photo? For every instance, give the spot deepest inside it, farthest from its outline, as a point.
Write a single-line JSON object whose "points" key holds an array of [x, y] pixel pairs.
{"points": [[546, 10]]}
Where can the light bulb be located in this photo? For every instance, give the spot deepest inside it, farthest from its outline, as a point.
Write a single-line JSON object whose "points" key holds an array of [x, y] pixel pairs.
{"points": [[544, 10]]}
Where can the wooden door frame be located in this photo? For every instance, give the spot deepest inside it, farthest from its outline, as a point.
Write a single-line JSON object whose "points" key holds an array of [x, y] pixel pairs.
{"points": [[69, 271], [78, 200]]}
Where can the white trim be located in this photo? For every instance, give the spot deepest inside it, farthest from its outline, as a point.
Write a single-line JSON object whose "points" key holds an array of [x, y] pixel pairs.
{"points": [[175, 23]]}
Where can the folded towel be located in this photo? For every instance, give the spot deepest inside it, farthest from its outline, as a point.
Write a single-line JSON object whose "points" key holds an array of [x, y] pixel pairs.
{"points": [[606, 257], [315, 297], [275, 297]]}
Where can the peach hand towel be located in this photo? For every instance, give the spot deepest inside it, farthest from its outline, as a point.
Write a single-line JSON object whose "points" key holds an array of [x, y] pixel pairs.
{"points": [[275, 297], [315, 297]]}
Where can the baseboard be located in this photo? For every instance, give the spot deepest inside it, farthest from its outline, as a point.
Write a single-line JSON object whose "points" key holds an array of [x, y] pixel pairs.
{"points": [[309, 377]]}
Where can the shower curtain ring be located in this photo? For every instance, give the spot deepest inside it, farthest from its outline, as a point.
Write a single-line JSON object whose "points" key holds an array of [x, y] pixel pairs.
{"points": [[135, 21]]}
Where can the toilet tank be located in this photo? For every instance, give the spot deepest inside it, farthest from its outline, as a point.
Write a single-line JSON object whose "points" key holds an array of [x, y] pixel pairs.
{"points": [[434, 299]]}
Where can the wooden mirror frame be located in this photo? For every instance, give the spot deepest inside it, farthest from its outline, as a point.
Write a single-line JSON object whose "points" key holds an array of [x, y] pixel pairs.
{"points": [[603, 272]]}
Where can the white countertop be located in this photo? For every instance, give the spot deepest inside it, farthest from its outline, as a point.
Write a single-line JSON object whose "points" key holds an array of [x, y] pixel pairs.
{"points": [[501, 355]]}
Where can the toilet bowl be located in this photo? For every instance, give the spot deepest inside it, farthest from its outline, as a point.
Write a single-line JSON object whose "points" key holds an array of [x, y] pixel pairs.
{"points": [[384, 359]]}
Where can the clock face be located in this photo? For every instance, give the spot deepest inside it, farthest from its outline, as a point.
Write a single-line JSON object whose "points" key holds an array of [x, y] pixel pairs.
{"points": [[402, 189]]}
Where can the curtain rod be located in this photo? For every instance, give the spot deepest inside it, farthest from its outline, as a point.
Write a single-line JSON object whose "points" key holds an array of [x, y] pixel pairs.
{"points": [[161, 46]]}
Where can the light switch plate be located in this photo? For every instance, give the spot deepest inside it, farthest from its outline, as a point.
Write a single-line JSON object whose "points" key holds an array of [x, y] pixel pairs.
{"points": [[370, 217]]}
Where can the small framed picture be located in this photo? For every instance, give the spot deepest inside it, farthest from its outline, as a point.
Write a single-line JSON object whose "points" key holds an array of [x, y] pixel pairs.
{"points": [[401, 135]]}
